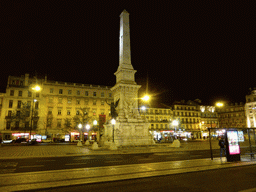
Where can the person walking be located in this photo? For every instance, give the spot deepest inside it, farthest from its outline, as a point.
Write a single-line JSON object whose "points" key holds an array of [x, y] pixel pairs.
{"points": [[222, 148]]}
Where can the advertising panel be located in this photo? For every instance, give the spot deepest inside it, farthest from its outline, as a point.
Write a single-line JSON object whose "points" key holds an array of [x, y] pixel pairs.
{"points": [[233, 142], [241, 136]]}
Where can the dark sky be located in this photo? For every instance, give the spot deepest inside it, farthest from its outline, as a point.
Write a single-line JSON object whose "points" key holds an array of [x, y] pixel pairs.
{"points": [[188, 49]]}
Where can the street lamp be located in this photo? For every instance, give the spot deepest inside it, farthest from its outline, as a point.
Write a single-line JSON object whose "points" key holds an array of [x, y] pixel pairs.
{"points": [[113, 122], [95, 124], [36, 88], [175, 123], [81, 133]]}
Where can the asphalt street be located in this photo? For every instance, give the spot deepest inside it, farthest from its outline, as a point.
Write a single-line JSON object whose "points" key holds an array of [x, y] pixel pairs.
{"points": [[237, 179], [72, 162]]}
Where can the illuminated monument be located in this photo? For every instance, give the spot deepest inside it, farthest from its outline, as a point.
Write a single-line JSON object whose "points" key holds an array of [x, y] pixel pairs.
{"points": [[130, 128]]}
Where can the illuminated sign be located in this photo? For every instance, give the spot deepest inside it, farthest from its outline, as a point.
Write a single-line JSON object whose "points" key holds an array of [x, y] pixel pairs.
{"points": [[241, 136], [233, 142]]}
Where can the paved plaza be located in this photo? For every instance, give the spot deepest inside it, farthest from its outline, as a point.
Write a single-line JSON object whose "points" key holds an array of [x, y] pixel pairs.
{"points": [[57, 150]]}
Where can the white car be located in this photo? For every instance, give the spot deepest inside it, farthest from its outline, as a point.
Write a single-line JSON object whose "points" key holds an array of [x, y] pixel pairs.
{"points": [[7, 141]]}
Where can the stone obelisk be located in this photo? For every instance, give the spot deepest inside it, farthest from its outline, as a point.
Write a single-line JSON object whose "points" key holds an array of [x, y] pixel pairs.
{"points": [[130, 128]]}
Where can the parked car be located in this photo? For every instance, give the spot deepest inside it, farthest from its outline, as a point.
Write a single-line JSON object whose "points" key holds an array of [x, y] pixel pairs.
{"points": [[32, 142], [21, 140], [7, 141]]}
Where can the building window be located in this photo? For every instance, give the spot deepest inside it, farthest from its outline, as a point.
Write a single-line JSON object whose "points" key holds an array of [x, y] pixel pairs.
{"points": [[60, 100], [77, 112], [86, 93], [37, 94], [94, 112], [20, 93], [94, 94], [50, 99], [12, 93], [102, 102], [78, 92], [36, 105], [68, 112], [9, 113], [86, 102], [69, 92], [60, 91], [58, 122], [94, 102], [49, 112], [19, 105], [17, 123], [110, 95], [102, 94], [8, 125], [51, 90], [102, 111], [59, 111], [21, 83], [78, 101], [29, 94], [69, 100], [10, 103]]}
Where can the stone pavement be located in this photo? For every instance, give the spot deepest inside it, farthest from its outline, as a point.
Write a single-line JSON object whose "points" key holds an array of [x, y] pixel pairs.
{"points": [[58, 150]]}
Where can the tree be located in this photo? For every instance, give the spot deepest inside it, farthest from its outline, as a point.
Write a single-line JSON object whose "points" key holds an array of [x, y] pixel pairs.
{"points": [[67, 125], [81, 117], [20, 117]]}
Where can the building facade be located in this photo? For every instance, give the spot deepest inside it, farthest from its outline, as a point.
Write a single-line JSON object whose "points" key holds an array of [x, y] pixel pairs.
{"points": [[232, 116], [250, 108], [52, 110]]}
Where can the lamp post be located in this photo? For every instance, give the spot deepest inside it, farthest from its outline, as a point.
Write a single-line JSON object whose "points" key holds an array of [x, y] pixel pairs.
{"points": [[175, 123], [113, 122], [36, 88], [88, 127], [81, 132], [95, 124]]}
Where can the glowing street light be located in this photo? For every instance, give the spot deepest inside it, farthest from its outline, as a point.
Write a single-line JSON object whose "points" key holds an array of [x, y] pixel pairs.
{"points": [[219, 104], [87, 127], [36, 88], [146, 98]]}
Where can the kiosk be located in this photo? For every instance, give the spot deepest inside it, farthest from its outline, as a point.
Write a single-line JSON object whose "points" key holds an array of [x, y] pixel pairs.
{"points": [[233, 147]]}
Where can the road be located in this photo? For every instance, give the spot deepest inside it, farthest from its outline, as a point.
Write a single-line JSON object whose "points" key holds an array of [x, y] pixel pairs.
{"points": [[72, 162], [229, 179]]}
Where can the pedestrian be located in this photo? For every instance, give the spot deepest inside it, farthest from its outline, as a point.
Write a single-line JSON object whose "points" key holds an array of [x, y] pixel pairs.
{"points": [[222, 147]]}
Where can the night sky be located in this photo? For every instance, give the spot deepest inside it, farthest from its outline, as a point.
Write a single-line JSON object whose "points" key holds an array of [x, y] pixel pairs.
{"points": [[187, 49]]}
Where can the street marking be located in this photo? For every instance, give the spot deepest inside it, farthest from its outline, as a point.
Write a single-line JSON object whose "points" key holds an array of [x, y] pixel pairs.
{"points": [[76, 164], [8, 164], [31, 166]]}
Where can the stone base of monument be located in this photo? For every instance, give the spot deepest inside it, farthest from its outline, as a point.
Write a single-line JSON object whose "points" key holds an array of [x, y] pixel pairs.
{"points": [[129, 133], [112, 146], [87, 142], [176, 143], [95, 146], [79, 143]]}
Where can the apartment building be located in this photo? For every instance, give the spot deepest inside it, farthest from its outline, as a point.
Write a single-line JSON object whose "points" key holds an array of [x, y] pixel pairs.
{"points": [[51, 110]]}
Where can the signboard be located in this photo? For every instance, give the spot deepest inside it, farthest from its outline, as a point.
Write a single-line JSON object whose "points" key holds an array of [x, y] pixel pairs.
{"points": [[241, 136], [233, 142]]}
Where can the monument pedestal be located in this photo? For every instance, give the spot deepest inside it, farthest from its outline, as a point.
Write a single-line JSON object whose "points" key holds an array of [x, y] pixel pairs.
{"points": [[128, 133]]}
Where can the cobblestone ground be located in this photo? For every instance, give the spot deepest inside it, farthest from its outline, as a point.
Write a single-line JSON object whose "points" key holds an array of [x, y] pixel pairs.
{"points": [[54, 150]]}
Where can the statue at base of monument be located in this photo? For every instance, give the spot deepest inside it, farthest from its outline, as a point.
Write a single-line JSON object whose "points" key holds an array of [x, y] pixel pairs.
{"points": [[113, 107]]}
